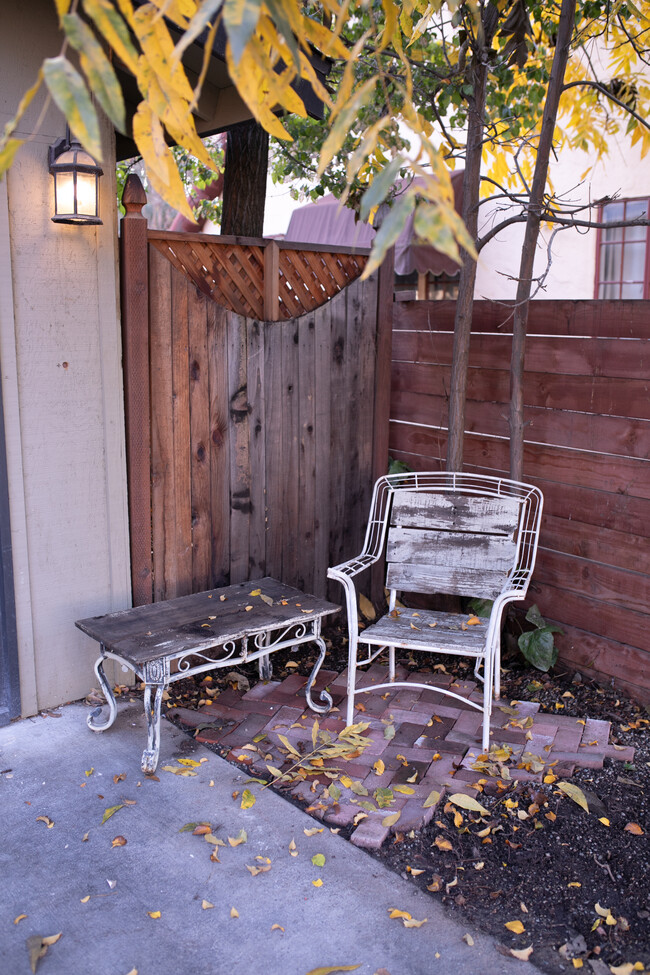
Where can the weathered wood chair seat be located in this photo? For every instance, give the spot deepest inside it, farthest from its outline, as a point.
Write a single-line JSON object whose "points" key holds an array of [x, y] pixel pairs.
{"points": [[455, 534]]}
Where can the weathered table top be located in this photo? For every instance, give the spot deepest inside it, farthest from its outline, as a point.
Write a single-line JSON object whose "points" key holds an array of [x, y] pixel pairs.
{"points": [[203, 620]]}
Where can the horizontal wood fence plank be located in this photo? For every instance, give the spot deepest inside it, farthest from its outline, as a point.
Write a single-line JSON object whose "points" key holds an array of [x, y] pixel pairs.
{"points": [[588, 394], [628, 475], [629, 359], [598, 318], [628, 590], [562, 428], [574, 537], [595, 656], [586, 613]]}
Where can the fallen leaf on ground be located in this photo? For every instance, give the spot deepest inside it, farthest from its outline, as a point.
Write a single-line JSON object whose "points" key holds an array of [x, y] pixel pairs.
{"points": [[45, 819], [188, 761], [313, 831], [277, 927], [515, 926], [468, 939], [263, 867], [21, 917], [317, 883], [84, 900], [395, 912], [412, 923], [119, 778], [467, 802], [154, 914], [234, 912], [318, 860], [110, 812], [523, 954], [37, 946], [241, 837], [206, 905], [575, 793], [178, 770], [119, 841], [389, 821], [89, 772], [293, 849], [431, 800], [442, 843], [379, 767], [247, 799], [634, 828], [333, 968]]}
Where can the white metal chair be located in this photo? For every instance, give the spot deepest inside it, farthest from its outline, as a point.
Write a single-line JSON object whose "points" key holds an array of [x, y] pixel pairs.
{"points": [[453, 533]]}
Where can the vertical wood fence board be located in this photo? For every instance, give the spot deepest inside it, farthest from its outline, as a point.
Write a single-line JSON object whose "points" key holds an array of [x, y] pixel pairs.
{"points": [[290, 386], [240, 475], [180, 565], [275, 506], [341, 450], [219, 443], [162, 469], [256, 332], [307, 446], [322, 446], [200, 442]]}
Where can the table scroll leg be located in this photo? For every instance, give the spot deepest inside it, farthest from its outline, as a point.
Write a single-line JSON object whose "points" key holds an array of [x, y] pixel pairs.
{"points": [[110, 700], [324, 695], [156, 679], [264, 664]]}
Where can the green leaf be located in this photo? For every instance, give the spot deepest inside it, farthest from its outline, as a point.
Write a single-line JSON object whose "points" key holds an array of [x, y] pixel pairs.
{"points": [[318, 859], [538, 648], [97, 68], [535, 617], [389, 732], [334, 791], [389, 231], [359, 789], [240, 18], [431, 800], [70, 94], [110, 812], [380, 187]]}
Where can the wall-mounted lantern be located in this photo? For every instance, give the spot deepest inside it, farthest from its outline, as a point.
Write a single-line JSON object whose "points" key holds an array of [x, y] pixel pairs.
{"points": [[76, 182]]}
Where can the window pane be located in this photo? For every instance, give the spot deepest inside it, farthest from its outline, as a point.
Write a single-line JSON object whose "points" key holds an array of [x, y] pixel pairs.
{"points": [[634, 262], [608, 291], [637, 208], [610, 262], [632, 290], [613, 212]]}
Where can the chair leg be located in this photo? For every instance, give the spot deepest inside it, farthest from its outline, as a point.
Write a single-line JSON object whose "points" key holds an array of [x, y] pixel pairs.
{"points": [[352, 676], [488, 673], [391, 663], [497, 671]]}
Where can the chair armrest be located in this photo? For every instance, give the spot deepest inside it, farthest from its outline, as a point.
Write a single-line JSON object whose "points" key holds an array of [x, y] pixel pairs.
{"points": [[344, 573]]}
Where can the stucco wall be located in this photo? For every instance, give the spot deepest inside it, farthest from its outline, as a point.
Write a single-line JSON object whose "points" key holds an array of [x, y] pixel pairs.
{"points": [[62, 390], [578, 180]]}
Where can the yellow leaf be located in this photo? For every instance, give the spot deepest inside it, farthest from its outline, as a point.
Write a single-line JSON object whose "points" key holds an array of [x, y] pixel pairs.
{"points": [[473, 621], [577, 962], [397, 913], [515, 926], [247, 800], [404, 789], [89, 771], [206, 905], [412, 923], [313, 831], [604, 820], [366, 607], [50, 823], [317, 883], [431, 800], [575, 793], [379, 767], [467, 802], [21, 917], [442, 843], [84, 900], [277, 927], [602, 911], [241, 837], [234, 912], [389, 821], [574, 883], [154, 914], [188, 761], [332, 969], [468, 939], [119, 841], [523, 954]]}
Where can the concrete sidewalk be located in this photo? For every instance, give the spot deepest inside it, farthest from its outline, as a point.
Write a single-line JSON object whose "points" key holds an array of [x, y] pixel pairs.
{"points": [[48, 871]]}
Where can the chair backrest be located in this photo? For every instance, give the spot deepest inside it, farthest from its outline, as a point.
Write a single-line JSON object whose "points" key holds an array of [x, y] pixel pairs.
{"points": [[460, 534]]}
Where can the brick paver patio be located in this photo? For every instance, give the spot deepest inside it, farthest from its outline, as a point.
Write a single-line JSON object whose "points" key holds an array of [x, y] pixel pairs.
{"points": [[432, 743]]}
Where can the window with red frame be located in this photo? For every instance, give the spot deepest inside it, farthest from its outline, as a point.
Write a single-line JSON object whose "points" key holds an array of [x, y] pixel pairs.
{"points": [[623, 257]]}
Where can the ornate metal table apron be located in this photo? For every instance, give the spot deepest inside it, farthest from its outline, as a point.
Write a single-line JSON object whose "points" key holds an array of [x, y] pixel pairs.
{"points": [[168, 641]]}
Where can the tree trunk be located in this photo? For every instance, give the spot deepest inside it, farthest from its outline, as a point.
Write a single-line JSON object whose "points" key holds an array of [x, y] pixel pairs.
{"points": [[531, 235], [244, 191], [471, 188]]}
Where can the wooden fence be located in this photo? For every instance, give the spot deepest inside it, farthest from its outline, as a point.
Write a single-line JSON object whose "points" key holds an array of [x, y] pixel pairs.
{"points": [[587, 385], [253, 445]]}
